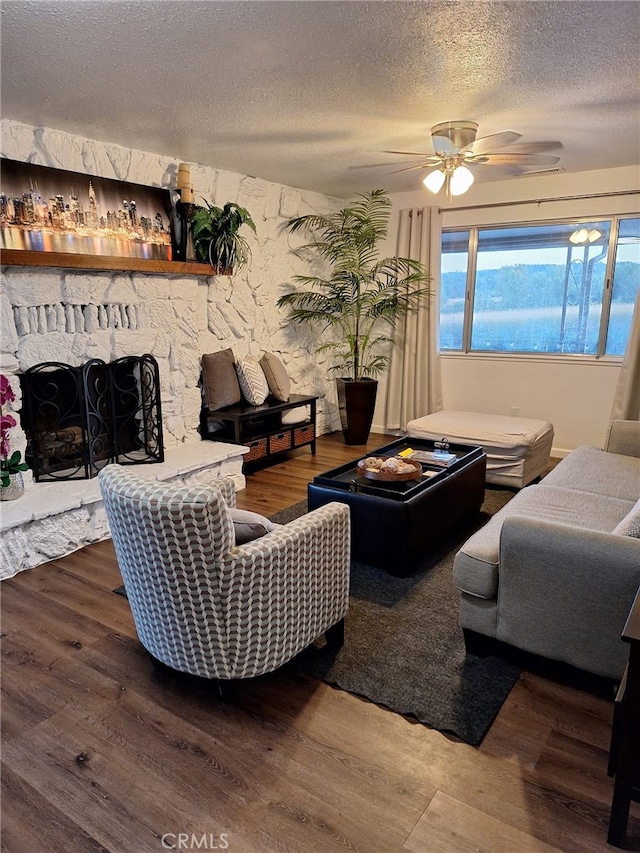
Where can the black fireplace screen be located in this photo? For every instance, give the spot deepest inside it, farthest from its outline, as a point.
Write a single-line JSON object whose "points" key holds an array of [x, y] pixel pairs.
{"points": [[78, 419]]}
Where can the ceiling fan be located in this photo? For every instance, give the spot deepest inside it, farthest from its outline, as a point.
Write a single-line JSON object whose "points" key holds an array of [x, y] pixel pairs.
{"points": [[456, 148]]}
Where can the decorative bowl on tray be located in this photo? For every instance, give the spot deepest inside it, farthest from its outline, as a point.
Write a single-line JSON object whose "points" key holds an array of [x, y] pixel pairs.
{"points": [[390, 469]]}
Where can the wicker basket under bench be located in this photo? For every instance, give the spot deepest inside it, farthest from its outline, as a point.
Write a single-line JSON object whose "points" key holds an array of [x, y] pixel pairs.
{"points": [[260, 427]]}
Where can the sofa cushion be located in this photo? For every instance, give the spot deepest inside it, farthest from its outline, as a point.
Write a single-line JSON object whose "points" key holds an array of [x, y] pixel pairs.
{"points": [[623, 437], [277, 376], [592, 470], [475, 569], [250, 525], [630, 524], [219, 380], [252, 381]]}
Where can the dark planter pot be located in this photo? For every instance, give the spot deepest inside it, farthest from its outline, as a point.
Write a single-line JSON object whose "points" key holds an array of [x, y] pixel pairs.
{"points": [[356, 401]]}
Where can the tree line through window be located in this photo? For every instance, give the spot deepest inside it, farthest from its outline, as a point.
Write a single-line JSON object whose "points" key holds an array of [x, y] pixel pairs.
{"points": [[562, 287]]}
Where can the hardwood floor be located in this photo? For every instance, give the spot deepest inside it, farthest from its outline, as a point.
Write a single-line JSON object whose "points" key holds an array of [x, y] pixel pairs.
{"points": [[103, 753]]}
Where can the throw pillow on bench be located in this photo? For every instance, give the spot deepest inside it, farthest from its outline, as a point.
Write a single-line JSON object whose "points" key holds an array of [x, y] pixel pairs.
{"points": [[226, 380]]}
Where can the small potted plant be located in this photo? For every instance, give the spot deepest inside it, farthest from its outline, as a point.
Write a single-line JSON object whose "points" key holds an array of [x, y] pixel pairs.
{"points": [[362, 298], [216, 236], [11, 464]]}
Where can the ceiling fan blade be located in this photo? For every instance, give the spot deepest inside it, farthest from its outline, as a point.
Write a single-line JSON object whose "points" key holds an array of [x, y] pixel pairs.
{"points": [[494, 141], [410, 168], [444, 147], [413, 154], [386, 165], [517, 160], [532, 147], [506, 169]]}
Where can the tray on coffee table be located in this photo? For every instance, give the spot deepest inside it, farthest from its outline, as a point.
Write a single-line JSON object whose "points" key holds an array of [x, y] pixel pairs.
{"points": [[348, 477]]}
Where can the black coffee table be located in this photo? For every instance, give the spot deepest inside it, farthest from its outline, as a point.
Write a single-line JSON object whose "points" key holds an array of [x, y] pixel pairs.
{"points": [[394, 524]]}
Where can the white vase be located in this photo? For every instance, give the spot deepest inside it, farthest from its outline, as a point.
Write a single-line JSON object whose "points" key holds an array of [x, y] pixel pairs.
{"points": [[15, 489]]}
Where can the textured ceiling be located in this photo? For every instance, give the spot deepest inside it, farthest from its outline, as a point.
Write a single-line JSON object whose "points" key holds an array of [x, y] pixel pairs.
{"points": [[301, 92]]}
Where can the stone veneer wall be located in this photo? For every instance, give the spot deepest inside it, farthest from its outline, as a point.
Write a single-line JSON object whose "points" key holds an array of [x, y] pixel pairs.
{"points": [[72, 316]]}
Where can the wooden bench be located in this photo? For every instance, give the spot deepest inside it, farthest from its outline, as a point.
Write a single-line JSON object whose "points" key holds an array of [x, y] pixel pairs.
{"points": [[260, 428]]}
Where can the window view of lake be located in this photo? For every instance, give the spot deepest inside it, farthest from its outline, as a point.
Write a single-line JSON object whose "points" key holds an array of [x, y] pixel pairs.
{"points": [[545, 326], [542, 288]]}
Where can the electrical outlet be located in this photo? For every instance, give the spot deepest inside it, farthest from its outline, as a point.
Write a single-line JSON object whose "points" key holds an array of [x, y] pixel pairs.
{"points": [[515, 411]]}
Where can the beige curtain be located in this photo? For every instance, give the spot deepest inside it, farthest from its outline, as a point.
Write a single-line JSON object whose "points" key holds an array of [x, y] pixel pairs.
{"points": [[626, 403], [413, 381]]}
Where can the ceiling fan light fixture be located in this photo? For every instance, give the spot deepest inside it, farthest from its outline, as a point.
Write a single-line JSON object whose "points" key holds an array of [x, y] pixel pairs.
{"points": [[457, 146], [434, 180], [461, 180], [450, 136]]}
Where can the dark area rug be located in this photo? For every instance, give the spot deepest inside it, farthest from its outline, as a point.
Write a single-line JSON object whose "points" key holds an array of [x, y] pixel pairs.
{"points": [[403, 646]]}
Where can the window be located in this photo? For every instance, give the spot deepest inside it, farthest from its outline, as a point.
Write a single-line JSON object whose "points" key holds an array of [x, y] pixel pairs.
{"points": [[455, 260], [540, 288], [626, 280]]}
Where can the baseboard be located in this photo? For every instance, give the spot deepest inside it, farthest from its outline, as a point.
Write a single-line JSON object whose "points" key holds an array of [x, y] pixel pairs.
{"points": [[559, 452]]}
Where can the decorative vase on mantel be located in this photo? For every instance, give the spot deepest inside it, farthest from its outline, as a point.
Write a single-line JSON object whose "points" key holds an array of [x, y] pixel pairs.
{"points": [[15, 488]]}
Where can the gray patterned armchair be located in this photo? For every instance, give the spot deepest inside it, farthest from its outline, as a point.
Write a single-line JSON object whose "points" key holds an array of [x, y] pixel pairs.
{"points": [[203, 605]]}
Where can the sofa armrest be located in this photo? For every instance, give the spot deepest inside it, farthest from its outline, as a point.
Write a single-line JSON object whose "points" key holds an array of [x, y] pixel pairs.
{"points": [[624, 438], [565, 592]]}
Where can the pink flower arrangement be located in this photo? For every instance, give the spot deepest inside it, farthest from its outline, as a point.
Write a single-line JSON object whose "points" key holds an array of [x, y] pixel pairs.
{"points": [[9, 464]]}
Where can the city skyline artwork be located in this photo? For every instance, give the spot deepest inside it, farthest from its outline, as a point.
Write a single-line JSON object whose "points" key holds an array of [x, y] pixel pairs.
{"points": [[53, 210]]}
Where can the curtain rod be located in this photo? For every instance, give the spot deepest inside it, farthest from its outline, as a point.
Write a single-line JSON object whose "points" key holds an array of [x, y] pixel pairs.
{"points": [[537, 201]]}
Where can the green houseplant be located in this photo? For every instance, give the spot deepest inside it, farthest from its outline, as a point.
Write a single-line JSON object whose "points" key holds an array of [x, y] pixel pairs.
{"points": [[216, 235], [361, 299]]}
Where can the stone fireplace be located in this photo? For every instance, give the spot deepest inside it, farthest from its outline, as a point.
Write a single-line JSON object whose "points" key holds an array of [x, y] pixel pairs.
{"points": [[71, 344]]}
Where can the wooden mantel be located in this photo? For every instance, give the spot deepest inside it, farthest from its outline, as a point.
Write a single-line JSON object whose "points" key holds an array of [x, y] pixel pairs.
{"points": [[22, 258]]}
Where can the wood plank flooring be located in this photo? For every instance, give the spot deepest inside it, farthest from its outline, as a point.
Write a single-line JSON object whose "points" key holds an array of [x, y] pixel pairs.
{"points": [[103, 753]]}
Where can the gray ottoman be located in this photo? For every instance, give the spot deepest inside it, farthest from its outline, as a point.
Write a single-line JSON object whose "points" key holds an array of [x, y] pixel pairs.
{"points": [[517, 449]]}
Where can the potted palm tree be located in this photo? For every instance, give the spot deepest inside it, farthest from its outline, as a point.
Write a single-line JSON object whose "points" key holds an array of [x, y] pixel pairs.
{"points": [[216, 236], [361, 299]]}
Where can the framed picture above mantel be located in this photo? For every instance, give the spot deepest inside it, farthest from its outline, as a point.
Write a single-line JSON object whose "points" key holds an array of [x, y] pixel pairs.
{"points": [[62, 213]]}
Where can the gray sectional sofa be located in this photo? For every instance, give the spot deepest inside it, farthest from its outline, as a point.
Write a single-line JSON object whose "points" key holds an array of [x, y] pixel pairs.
{"points": [[555, 571]]}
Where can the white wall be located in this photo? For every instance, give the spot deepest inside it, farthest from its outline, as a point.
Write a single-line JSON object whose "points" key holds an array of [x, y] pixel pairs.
{"points": [[574, 393], [575, 397]]}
